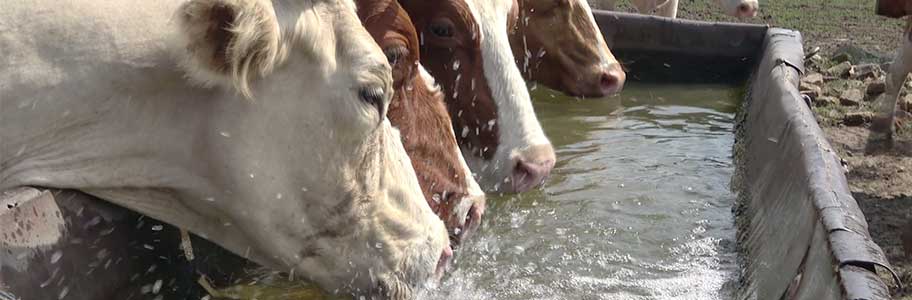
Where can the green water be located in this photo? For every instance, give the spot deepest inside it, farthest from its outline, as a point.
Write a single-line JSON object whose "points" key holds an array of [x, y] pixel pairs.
{"points": [[637, 207]]}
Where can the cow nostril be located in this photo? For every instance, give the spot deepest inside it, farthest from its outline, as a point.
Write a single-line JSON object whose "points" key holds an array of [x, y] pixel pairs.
{"points": [[473, 218], [445, 256], [373, 96], [608, 81]]}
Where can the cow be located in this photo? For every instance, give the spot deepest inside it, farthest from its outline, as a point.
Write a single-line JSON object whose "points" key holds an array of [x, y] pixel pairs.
{"points": [[559, 45], [669, 8], [464, 45], [259, 125], [418, 111], [883, 123]]}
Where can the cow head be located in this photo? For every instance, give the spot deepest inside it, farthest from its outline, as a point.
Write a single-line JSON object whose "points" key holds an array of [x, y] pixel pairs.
{"points": [[464, 45], [740, 8], [558, 44], [418, 111], [312, 176]]}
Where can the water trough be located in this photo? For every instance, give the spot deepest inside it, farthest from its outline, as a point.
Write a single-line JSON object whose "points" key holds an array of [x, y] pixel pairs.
{"points": [[801, 234]]}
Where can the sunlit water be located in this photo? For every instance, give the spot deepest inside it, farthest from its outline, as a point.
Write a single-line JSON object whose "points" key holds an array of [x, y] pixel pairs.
{"points": [[637, 207]]}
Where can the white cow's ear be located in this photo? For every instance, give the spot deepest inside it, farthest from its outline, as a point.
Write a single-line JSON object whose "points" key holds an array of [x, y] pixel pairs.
{"points": [[229, 41]]}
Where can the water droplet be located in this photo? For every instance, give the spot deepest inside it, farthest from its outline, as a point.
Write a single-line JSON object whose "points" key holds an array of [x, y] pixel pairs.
{"points": [[457, 231], [225, 134], [156, 286], [456, 65], [63, 293], [621, 185], [251, 175], [303, 189], [149, 247], [279, 196], [56, 256], [436, 198], [157, 228], [465, 130], [210, 199]]}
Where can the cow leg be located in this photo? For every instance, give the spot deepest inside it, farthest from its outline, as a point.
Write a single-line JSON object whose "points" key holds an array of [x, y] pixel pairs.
{"points": [[899, 69], [668, 9]]}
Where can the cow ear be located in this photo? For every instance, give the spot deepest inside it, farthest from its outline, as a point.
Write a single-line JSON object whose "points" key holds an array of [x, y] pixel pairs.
{"points": [[229, 41]]}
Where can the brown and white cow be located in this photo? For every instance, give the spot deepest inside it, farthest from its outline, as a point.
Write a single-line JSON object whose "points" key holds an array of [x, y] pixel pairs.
{"points": [[464, 45], [558, 44], [258, 125], [419, 112], [669, 8]]}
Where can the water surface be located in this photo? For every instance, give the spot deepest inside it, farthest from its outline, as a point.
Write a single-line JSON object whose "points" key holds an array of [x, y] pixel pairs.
{"points": [[638, 206]]}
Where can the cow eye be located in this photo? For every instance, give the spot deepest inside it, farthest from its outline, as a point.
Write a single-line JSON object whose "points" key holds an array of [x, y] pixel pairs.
{"points": [[442, 28], [395, 53]]}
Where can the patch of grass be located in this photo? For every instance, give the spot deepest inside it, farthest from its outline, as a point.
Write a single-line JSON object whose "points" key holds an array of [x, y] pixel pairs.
{"points": [[823, 23]]}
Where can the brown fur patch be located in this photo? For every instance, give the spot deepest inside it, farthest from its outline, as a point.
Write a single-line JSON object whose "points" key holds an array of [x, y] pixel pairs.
{"points": [[556, 44], [456, 63], [417, 110]]}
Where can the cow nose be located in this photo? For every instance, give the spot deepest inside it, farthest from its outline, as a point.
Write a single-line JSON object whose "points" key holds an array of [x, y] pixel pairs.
{"points": [[747, 10], [612, 80], [469, 221], [444, 262], [532, 168], [374, 96]]}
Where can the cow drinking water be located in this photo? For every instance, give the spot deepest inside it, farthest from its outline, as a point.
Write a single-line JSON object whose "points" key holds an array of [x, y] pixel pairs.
{"points": [[464, 45], [418, 111], [558, 44], [258, 125]]}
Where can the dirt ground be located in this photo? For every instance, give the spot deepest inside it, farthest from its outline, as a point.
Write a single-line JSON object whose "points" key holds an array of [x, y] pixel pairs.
{"points": [[880, 178]]}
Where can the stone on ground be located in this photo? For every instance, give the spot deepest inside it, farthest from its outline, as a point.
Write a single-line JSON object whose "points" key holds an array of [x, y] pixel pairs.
{"points": [[851, 97]]}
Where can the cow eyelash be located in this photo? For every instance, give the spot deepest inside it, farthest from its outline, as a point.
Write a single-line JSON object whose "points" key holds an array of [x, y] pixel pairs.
{"points": [[394, 54], [442, 28]]}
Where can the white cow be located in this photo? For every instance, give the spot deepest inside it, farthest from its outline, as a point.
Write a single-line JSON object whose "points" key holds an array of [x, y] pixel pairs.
{"points": [[669, 8], [259, 125]]}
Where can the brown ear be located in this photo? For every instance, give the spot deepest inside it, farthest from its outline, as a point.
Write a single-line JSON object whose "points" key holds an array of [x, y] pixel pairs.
{"points": [[229, 41]]}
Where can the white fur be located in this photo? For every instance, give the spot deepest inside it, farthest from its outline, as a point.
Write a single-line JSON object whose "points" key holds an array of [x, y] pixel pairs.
{"points": [[519, 127], [91, 98], [896, 76]]}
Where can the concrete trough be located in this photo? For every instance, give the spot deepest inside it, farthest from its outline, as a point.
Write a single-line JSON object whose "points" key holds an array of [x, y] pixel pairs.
{"points": [[801, 234]]}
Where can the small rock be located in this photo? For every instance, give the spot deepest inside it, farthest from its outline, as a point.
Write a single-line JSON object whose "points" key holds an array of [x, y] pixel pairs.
{"points": [[841, 70], [818, 60], [867, 71], [825, 101], [857, 118], [854, 84], [813, 78], [812, 90], [842, 57], [876, 88], [905, 103], [851, 97]]}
